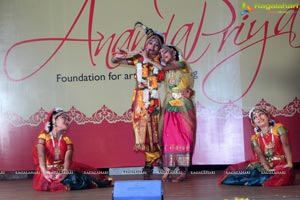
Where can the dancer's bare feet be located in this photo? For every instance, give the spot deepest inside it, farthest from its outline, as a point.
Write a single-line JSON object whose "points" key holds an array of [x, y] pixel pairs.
{"points": [[180, 178], [166, 176], [148, 171]]}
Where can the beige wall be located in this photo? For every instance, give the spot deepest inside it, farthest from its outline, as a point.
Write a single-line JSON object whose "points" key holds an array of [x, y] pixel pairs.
{"points": [[277, 80]]}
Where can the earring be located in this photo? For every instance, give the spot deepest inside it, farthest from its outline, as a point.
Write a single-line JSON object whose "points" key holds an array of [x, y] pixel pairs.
{"points": [[257, 130], [47, 127], [174, 55], [272, 122]]}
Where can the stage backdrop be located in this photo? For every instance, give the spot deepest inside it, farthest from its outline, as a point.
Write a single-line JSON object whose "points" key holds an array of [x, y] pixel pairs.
{"points": [[57, 53]]}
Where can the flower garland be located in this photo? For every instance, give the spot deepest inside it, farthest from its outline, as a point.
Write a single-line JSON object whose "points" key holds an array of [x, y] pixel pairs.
{"points": [[148, 78]]}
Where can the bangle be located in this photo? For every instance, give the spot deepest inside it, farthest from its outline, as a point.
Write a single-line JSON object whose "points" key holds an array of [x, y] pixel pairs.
{"points": [[290, 164], [113, 59], [266, 165]]}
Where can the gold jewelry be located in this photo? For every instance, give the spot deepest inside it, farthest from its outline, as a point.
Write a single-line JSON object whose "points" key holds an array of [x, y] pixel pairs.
{"points": [[268, 147], [56, 147]]}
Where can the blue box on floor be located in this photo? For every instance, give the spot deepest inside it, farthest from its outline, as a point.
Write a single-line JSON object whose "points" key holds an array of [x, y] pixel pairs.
{"points": [[137, 190]]}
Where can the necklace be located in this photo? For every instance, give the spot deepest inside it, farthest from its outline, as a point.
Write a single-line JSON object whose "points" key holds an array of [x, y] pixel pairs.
{"points": [[171, 78], [269, 147], [56, 147]]}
